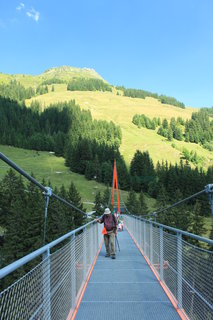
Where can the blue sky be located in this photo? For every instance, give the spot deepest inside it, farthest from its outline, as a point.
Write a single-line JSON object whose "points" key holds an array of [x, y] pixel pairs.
{"points": [[163, 46]]}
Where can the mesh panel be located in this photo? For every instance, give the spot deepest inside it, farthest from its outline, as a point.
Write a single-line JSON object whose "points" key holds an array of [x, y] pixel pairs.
{"points": [[186, 270], [156, 248], [51, 289], [197, 282], [170, 262]]}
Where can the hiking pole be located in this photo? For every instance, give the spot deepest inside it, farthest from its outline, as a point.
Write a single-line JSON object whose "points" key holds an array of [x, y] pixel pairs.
{"points": [[116, 240]]}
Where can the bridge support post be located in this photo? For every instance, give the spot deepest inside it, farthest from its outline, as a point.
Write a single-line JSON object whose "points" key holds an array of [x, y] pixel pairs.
{"points": [[150, 244], [144, 237], [73, 270], [140, 234], [46, 284], [47, 195], [136, 230], [97, 238], [84, 253], [179, 269], [161, 253], [93, 242]]}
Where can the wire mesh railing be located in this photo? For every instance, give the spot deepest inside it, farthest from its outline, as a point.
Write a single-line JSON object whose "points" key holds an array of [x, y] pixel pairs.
{"points": [[52, 288], [184, 270]]}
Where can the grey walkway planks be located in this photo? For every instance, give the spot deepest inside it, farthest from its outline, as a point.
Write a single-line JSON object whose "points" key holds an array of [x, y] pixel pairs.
{"points": [[124, 288]]}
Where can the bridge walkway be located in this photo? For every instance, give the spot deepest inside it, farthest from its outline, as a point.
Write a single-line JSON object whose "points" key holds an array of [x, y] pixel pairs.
{"points": [[124, 288]]}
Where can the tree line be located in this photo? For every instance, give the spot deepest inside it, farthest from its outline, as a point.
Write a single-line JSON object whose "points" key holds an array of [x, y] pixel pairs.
{"points": [[199, 129], [22, 219], [83, 84], [16, 91], [88, 145], [142, 94], [145, 122], [52, 128], [167, 184]]}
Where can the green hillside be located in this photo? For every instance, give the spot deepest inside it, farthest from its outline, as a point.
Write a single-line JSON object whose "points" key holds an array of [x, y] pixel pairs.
{"points": [[109, 106], [45, 165], [120, 109]]}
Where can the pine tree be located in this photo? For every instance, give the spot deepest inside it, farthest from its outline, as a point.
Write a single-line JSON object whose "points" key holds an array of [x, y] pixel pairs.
{"points": [[34, 227], [15, 208], [162, 202], [106, 197], [132, 202], [142, 171], [170, 134], [143, 206], [198, 226], [106, 170], [98, 207], [74, 197], [124, 179]]}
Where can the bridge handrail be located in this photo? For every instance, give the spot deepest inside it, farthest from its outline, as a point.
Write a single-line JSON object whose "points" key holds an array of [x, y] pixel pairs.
{"points": [[183, 268], [31, 256], [185, 233]]}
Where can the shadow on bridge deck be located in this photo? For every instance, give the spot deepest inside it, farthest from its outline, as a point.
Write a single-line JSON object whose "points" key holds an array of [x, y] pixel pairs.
{"points": [[124, 288]]}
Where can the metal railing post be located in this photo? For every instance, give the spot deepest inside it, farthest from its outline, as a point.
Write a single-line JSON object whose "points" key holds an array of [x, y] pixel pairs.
{"points": [[150, 244], [179, 269], [94, 241], [161, 253], [73, 271], [84, 253], [97, 237], [142, 229], [144, 236], [136, 229], [90, 244], [46, 284]]}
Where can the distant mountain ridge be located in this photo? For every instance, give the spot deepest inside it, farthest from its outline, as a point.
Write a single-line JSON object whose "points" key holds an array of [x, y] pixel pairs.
{"points": [[67, 71], [63, 73]]}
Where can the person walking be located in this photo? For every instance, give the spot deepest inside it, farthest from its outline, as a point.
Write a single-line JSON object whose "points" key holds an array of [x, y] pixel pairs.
{"points": [[110, 230]]}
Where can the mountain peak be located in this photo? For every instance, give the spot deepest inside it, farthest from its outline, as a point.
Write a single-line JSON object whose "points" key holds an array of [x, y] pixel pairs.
{"points": [[71, 72]]}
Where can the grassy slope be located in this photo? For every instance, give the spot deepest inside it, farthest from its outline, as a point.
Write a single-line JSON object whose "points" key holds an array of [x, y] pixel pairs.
{"points": [[120, 109], [49, 167]]}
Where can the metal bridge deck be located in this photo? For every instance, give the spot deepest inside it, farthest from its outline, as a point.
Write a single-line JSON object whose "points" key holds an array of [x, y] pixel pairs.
{"points": [[124, 288]]}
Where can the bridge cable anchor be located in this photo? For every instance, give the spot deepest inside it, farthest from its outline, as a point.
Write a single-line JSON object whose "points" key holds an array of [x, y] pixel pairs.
{"points": [[47, 194]]}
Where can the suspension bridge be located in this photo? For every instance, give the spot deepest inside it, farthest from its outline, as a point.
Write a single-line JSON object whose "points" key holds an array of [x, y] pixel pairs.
{"points": [[157, 273]]}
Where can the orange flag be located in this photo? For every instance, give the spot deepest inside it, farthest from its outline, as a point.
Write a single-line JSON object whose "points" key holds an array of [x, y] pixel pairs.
{"points": [[104, 231]]}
